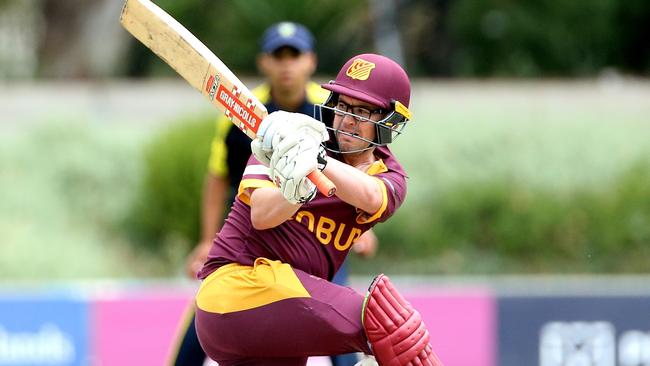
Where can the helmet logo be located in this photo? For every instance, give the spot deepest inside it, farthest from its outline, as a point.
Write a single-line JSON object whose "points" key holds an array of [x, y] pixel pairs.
{"points": [[360, 69], [286, 29]]}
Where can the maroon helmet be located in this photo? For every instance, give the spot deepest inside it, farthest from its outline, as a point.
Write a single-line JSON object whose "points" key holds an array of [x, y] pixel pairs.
{"points": [[377, 80]]}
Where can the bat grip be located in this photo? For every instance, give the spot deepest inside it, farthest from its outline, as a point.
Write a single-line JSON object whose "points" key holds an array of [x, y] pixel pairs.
{"points": [[324, 184]]}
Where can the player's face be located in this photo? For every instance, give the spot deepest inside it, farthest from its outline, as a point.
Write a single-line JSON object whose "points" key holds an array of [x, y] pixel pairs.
{"points": [[353, 130], [288, 69]]}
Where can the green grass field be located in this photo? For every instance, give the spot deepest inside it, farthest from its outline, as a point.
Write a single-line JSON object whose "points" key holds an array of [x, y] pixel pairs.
{"points": [[66, 182]]}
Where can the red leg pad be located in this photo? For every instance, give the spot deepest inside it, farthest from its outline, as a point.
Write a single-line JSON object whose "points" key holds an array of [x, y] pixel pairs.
{"points": [[395, 330]]}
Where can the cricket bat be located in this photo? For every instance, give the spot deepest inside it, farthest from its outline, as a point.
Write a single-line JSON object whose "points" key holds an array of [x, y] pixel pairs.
{"points": [[202, 69]]}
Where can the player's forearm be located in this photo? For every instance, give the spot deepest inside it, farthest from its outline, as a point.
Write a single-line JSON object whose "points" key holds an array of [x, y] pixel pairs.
{"points": [[269, 208], [354, 186], [214, 201]]}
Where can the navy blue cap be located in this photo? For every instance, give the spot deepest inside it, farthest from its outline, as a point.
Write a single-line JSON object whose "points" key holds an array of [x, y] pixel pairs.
{"points": [[287, 34]]}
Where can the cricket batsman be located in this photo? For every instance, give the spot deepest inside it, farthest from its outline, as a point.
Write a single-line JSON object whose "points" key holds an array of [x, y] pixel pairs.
{"points": [[266, 296]]}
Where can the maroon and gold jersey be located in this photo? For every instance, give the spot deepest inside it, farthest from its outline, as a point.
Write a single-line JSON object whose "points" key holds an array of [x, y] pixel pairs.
{"points": [[317, 237]]}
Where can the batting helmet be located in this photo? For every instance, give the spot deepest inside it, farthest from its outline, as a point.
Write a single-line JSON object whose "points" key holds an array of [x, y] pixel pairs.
{"points": [[377, 80]]}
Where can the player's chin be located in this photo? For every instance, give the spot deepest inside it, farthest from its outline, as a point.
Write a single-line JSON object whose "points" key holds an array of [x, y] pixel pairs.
{"points": [[345, 142], [289, 82], [348, 146]]}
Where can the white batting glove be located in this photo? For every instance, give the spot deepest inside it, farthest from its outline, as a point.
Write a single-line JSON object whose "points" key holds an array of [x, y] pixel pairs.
{"points": [[277, 126], [293, 159], [263, 156]]}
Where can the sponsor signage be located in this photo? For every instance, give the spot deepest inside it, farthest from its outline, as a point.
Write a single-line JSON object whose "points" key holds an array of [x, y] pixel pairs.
{"points": [[43, 331], [573, 330]]}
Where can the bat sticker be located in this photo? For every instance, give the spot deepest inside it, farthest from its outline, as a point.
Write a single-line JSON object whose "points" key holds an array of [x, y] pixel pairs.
{"points": [[211, 86], [237, 108]]}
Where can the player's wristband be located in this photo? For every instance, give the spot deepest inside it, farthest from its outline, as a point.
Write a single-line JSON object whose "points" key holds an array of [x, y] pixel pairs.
{"points": [[322, 158]]}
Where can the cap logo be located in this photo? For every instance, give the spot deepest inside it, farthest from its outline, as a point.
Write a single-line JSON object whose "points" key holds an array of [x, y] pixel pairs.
{"points": [[287, 30], [360, 69]]}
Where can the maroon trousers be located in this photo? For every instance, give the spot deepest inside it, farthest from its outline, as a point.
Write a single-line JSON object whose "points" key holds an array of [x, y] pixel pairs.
{"points": [[287, 331]]}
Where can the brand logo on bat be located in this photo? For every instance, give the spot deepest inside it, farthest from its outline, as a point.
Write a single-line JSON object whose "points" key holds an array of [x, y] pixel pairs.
{"points": [[238, 109], [211, 86]]}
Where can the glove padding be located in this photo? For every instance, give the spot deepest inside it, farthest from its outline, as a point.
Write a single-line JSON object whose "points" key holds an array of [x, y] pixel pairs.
{"points": [[279, 125], [260, 154], [293, 159]]}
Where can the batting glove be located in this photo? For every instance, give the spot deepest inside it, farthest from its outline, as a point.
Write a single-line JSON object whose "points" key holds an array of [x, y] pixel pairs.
{"points": [[321, 158], [280, 124], [263, 156], [293, 159]]}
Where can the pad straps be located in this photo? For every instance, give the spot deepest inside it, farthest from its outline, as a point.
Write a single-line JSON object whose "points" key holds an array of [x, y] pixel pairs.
{"points": [[395, 330]]}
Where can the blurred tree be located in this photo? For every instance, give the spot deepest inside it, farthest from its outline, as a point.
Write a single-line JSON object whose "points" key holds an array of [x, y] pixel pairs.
{"points": [[80, 38], [61, 51], [232, 29], [633, 51], [166, 208], [424, 28], [547, 37], [18, 39], [387, 38]]}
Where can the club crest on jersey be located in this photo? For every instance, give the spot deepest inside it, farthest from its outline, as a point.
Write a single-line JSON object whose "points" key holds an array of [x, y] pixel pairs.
{"points": [[360, 69], [211, 86]]}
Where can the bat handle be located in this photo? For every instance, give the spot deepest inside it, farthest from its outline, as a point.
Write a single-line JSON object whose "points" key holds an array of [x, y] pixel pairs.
{"points": [[324, 184]]}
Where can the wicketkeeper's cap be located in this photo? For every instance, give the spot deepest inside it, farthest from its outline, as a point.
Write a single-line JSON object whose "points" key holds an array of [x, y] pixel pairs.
{"points": [[287, 34], [373, 79]]}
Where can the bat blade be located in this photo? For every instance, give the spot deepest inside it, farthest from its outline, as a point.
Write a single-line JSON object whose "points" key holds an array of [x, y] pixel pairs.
{"points": [[201, 68], [191, 59]]}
